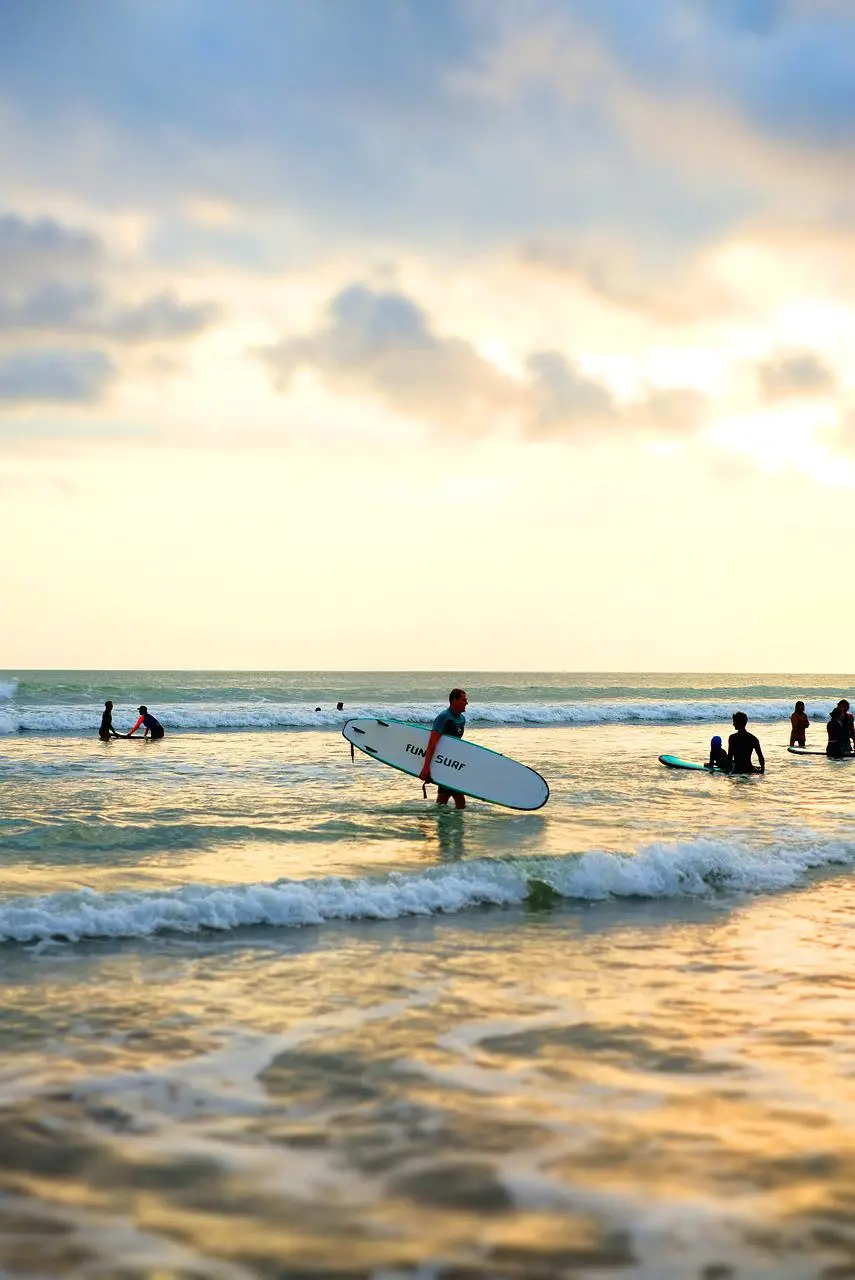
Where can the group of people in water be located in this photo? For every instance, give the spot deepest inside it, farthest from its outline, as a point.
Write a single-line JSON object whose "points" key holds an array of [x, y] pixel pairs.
{"points": [[742, 746], [151, 726], [840, 729]]}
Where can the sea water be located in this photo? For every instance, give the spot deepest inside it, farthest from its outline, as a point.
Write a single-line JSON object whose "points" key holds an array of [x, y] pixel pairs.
{"points": [[267, 1012]]}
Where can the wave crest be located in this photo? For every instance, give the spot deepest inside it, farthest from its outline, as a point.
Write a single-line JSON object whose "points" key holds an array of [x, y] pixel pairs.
{"points": [[271, 715], [660, 870]]}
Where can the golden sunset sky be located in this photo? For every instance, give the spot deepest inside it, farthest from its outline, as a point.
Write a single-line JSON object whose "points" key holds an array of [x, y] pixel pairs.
{"points": [[460, 334]]}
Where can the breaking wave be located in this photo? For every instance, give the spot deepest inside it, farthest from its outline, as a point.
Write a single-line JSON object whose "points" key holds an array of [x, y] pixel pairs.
{"points": [[683, 869], [192, 716]]}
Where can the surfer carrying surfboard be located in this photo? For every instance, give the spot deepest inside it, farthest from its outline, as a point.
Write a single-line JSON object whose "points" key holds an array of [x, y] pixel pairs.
{"points": [[450, 722]]}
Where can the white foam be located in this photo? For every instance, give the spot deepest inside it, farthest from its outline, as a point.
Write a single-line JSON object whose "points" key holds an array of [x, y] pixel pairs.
{"points": [[8, 688], [659, 870], [62, 718]]}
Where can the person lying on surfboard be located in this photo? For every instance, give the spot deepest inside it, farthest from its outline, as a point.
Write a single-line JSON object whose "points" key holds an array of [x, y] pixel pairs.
{"points": [[450, 722], [741, 746], [718, 756]]}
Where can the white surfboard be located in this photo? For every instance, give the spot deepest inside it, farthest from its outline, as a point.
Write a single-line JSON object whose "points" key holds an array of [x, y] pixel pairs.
{"points": [[460, 765]]}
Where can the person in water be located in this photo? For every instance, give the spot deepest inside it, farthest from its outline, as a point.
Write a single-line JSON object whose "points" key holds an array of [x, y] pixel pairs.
{"points": [[718, 756], [451, 722], [847, 721], [741, 746], [106, 731], [798, 724], [836, 730], [152, 726]]}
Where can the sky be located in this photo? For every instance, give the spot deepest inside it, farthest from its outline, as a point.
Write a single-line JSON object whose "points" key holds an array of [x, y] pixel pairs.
{"points": [[396, 334]]}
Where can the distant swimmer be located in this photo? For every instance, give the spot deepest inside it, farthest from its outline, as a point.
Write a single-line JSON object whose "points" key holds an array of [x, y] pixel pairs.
{"points": [[741, 747], [836, 730], [106, 731], [798, 724], [847, 720], [152, 726], [451, 722], [339, 706], [718, 756]]}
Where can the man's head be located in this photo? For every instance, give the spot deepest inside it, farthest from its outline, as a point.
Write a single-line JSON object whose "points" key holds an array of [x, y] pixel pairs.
{"points": [[108, 705], [740, 719], [458, 701], [843, 704], [143, 711]]}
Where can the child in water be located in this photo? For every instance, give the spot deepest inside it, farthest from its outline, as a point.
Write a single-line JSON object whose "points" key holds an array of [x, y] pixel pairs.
{"points": [[799, 723], [718, 756]]}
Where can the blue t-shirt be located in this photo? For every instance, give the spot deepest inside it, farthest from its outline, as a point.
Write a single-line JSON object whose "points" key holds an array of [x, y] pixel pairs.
{"points": [[448, 723]]}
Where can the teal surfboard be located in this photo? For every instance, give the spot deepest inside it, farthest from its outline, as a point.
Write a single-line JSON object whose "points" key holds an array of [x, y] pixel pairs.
{"points": [[817, 751], [674, 762]]}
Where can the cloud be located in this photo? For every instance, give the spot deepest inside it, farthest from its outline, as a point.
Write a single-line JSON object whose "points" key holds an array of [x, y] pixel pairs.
{"points": [[564, 398], [565, 404], [39, 247], [158, 318], [75, 377], [383, 344], [667, 285], [56, 307], [60, 306], [56, 279], [474, 122], [797, 374]]}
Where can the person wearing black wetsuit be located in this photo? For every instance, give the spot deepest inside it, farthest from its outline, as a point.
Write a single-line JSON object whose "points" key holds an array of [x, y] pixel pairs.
{"points": [[106, 731], [837, 738], [847, 724], [741, 746], [152, 726]]}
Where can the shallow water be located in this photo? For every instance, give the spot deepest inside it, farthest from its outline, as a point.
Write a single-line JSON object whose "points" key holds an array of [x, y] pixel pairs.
{"points": [[269, 1013]]}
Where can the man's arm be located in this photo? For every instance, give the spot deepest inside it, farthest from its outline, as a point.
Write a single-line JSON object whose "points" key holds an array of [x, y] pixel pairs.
{"points": [[136, 726], [434, 738], [759, 751]]}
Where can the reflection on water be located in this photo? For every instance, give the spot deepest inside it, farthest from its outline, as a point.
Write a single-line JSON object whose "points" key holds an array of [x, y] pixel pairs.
{"points": [[650, 1079], [507, 1095]]}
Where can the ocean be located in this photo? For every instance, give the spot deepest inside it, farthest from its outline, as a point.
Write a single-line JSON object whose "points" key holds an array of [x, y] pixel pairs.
{"points": [[269, 1013]]}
